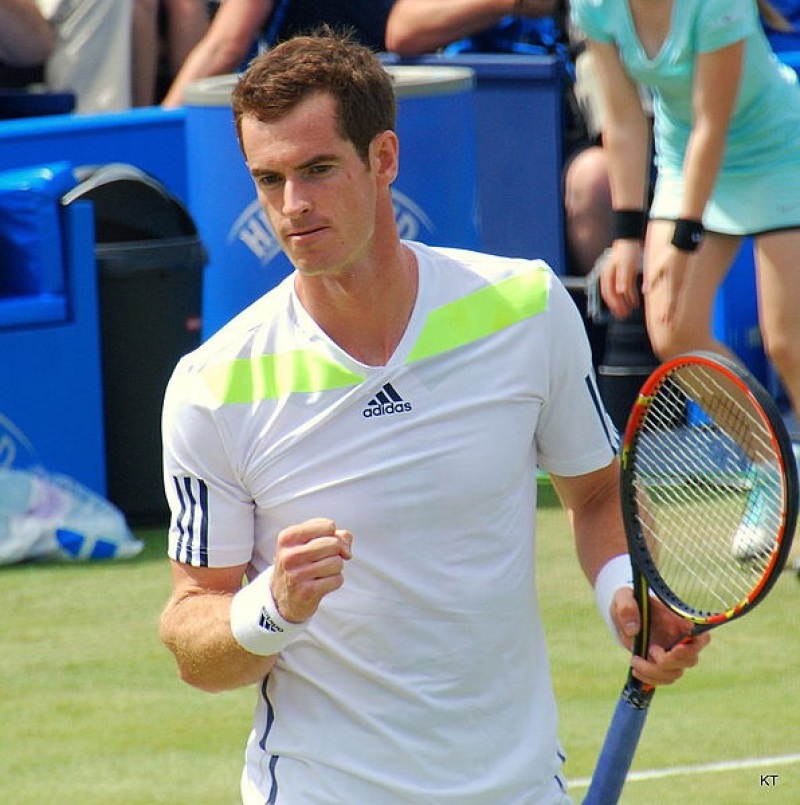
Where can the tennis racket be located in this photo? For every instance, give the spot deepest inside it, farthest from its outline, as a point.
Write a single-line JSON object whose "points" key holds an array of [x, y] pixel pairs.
{"points": [[709, 500]]}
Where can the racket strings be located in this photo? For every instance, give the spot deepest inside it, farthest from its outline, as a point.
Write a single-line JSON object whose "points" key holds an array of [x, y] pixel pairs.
{"points": [[709, 504]]}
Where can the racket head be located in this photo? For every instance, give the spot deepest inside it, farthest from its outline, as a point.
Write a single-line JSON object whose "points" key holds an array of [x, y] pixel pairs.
{"points": [[709, 488]]}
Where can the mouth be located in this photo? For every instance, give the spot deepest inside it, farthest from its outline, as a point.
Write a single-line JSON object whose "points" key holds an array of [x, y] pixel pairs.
{"points": [[299, 235]]}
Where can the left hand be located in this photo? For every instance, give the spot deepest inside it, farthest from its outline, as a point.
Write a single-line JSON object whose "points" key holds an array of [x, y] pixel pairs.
{"points": [[663, 665]]}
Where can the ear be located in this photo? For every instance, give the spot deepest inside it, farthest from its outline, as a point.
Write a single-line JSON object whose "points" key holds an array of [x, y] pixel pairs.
{"points": [[385, 156]]}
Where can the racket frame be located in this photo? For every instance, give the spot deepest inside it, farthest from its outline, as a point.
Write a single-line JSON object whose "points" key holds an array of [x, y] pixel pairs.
{"points": [[762, 402]]}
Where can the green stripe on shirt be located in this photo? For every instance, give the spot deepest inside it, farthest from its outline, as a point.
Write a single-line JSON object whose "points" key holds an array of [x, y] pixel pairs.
{"points": [[475, 316], [270, 377], [483, 313]]}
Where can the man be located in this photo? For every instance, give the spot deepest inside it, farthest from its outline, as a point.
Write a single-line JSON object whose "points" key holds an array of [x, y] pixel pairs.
{"points": [[362, 443]]}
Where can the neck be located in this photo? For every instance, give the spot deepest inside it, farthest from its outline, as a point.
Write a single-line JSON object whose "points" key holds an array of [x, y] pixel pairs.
{"points": [[366, 311]]}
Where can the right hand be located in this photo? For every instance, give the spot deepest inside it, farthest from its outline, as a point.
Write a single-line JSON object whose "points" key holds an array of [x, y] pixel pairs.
{"points": [[619, 279], [309, 564], [668, 655]]}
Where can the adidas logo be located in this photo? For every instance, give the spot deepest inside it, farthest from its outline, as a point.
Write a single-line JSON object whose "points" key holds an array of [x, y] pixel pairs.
{"points": [[386, 401], [266, 623]]}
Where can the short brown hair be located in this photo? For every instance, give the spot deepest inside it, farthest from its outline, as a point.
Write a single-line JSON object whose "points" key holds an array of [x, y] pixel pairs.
{"points": [[325, 61]]}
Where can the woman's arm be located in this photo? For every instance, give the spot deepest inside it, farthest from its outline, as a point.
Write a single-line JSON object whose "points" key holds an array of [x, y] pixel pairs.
{"points": [[626, 139], [225, 45], [716, 86], [626, 128], [423, 26]]}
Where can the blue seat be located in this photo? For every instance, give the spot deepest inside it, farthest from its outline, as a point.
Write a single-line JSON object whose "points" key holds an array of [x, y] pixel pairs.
{"points": [[50, 378]]}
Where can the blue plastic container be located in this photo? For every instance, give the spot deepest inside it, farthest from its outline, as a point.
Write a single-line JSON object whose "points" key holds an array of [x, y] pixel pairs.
{"points": [[436, 195], [519, 133], [735, 320]]}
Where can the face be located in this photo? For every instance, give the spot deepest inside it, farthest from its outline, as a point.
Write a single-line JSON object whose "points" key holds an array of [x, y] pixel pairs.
{"points": [[319, 195]]}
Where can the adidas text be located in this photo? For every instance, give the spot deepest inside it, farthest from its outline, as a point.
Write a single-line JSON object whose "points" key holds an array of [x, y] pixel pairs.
{"points": [[387, 408], [386, 401]]}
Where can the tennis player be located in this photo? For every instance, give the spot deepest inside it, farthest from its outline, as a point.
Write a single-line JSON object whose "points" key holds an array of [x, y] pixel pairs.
{"points": [[726, 116], [362, 445]]}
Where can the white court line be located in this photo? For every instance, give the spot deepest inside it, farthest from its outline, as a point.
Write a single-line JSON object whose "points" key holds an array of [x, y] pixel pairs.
{"points": [[701, 768]]}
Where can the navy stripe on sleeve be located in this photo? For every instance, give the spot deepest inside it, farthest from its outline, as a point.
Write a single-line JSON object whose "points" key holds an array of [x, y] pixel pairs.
{"points": [[191, 521], [610, 430]]}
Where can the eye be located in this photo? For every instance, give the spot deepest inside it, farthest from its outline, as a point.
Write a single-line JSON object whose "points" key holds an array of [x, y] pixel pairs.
{"points": [[320, 169], [268, 179]]}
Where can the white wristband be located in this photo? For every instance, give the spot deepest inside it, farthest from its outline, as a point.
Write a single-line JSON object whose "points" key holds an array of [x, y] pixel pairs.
{"points": [[255, 621], [615, 573]]}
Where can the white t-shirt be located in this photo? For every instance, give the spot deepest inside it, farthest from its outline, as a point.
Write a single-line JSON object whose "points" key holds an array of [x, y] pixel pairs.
{"points": [[424, 679]]}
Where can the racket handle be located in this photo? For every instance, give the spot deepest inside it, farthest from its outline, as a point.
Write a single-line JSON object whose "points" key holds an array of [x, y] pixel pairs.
{"points": [[618, 750]]}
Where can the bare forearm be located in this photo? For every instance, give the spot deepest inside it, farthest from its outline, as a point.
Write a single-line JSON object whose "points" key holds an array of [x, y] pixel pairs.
{"points": [[422, 26], [224, 46], [716, 88], [202, 62], [626, 128], [592, 506], [196, 629], [628, 147], [599, 538], [701, 166]]}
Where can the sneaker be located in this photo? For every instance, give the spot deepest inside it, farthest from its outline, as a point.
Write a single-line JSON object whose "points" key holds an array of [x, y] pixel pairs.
{"points": [[755, 537]]}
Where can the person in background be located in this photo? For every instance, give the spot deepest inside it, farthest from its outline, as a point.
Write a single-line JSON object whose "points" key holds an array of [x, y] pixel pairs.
{"points": [[164, 33], [726, 117], [422, 26], [362, 445], [26, 39], [92, 54], [240, 26], [781, 21]]}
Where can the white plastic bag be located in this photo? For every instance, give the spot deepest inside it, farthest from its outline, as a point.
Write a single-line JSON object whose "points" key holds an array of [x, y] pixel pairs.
{"points": [[49, 516]]}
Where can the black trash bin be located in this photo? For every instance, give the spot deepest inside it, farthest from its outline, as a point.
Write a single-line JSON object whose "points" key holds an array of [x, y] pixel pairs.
{"points": [[149, 266]]}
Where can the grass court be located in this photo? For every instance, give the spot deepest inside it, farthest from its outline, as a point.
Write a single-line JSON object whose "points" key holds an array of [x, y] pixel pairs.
{"points": [[92, 711]]}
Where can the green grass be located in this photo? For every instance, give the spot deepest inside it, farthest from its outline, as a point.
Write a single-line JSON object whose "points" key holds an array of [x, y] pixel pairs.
{"points": [[92, 711]]}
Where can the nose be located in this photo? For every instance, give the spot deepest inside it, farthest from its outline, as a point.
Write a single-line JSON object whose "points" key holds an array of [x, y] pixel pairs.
{"points": [[295, 199]]}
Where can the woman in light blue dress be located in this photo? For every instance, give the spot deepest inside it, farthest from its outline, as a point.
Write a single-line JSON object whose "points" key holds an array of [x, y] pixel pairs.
{"points": [[726, 127]]}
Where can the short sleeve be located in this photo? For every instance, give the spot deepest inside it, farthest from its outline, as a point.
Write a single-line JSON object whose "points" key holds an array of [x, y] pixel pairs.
{"points": [[723, 22], [592, 17], [574, 435], [212, 519]]}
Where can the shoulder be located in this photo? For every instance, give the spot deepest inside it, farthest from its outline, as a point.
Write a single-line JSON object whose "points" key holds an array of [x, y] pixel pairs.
{"points": [[461, 285], [596, 18], [488, 280], [722, 22], [260, 323], [479, 266]]}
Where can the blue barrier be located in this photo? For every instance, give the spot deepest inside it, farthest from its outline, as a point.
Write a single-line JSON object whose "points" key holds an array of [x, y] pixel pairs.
{"points": [[50, 382], [518, 103], [735, 315], [151, 138]]}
